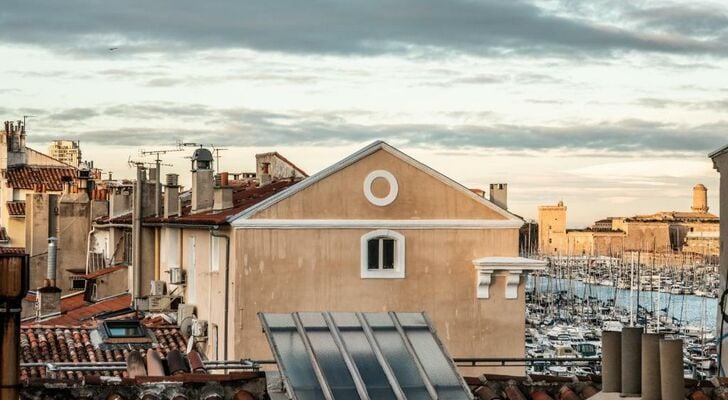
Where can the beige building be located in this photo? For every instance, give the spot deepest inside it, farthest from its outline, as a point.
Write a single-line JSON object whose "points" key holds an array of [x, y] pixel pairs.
{"points": [[663, 232], [66, 151], [377, 231], [552, 230]]}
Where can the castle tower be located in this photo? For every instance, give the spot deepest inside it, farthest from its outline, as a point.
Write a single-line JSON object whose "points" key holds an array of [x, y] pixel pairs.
{"points": [[700, 198], [552, 229]]}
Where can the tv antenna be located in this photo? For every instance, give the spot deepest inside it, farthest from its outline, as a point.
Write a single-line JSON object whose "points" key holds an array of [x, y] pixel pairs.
{"points": [[158, 180]]}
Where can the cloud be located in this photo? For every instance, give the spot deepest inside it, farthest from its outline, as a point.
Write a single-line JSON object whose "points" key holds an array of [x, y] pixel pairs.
{"points": [[334, 27], [235, 126], [74, 114]]}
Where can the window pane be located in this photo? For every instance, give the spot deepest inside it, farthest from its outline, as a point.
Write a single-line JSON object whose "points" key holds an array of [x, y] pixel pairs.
{"points": [[388, 256], [373, 254]]}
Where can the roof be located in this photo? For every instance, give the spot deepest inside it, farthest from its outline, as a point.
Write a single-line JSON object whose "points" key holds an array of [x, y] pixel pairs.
{"points": [[243, 198], [12, 250], [665, 216], [359, 155], [16, 208], [123, 219], [42, 344], [537, 387], [719, 152], [104, 271], [33, 176], [77, 311]]}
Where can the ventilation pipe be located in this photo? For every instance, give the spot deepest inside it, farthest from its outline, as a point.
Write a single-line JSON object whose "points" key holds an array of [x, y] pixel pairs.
{"points": [[631, 361], [611, 361], [672, 380], [51, 272]]}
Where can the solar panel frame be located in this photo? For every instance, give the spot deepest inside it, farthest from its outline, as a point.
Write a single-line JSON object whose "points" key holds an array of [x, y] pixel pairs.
{"points": [[323, 340]]}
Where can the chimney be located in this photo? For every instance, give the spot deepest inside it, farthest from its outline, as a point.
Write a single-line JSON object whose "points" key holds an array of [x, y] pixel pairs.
{"points": [[264, 177], [13, 287], [171, 196], [499, 194], [202, 181], [223, 194], [49, 296]]}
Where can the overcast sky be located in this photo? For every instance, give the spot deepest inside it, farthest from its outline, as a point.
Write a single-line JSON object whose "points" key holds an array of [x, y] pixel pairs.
{"points": [[610, 106]]}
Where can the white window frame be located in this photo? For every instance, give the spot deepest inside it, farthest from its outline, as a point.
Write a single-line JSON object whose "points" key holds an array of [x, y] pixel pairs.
{"points": [[398, 272]]}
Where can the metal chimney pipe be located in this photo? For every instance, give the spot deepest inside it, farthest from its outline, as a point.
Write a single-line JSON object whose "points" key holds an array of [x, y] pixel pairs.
{"points": [[51, 273]]}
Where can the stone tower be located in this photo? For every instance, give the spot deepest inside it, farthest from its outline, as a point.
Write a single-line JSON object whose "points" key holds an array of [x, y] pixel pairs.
{"points": [[552, 229], [700, 198]]}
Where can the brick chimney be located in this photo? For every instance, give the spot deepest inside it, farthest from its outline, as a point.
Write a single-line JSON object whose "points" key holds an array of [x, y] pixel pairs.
{"points": [[499, 194], [223, 194], [171, 196]]}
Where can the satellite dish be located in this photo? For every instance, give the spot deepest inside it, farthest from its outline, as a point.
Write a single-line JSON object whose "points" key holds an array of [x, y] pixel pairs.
{"points": [[185, 327]]}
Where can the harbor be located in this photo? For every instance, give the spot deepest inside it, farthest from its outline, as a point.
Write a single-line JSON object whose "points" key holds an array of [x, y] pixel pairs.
{"points": [[575, 299]]}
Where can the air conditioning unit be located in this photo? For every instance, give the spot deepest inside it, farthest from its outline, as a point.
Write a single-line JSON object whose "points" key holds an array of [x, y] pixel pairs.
{"points": [[176, 276], [199, 328], [159, 288], [185, 311], [141, 304], [160, 303]]}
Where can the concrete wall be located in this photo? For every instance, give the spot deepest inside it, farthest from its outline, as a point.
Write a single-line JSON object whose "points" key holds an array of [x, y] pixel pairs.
{"points": [[72, 234], [111, 284], [313, 270], [720, 163], [205, 286]]}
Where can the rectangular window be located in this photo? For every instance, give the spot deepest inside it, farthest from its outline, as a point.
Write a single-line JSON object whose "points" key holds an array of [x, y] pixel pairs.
{"points": [[380, 253], [373, 253], [171, 250], [387, 253], [124, 329], [78, 284]]}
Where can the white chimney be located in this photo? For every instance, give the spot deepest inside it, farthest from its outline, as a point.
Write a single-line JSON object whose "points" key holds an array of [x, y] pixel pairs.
{"points": [[171, 196], [202, 181]]}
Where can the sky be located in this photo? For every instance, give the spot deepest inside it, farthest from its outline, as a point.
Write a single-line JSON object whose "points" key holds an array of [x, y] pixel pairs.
{"points": [[611, 106]]}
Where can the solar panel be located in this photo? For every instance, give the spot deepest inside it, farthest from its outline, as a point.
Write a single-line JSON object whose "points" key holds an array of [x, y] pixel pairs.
{"points": [[323, 355]]}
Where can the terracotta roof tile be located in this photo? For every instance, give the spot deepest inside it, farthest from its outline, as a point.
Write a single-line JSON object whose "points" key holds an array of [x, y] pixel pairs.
{"points": [[103, 271], [77, 311], [35, 176], [16, 208], [73, 344], [12, 250]]}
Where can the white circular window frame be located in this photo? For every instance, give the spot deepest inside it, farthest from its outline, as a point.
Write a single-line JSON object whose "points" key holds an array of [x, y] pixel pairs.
{"points": [[393, 188]]}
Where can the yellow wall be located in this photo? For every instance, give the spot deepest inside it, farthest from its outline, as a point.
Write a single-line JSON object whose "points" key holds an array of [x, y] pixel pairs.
{"points": [[421, 196], [319, 269], [552, 230]]}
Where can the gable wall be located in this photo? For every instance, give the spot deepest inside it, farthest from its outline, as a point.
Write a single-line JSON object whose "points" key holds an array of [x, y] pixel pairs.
{"points": [[341, 196]]}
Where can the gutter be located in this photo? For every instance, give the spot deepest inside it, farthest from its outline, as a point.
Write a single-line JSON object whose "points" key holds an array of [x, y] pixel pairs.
{"points": [[216, 233]]}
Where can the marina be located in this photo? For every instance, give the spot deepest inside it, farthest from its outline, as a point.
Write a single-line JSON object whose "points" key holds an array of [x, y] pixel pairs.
{"points": [[575, 299]]}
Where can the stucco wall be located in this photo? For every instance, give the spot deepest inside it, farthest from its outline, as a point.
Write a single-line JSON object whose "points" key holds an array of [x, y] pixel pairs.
{"points": [[421, 196], [314, 270]]}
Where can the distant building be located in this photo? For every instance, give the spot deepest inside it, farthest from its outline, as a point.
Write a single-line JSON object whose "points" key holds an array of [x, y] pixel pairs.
{"points": [[66, 151], [666, 231], [552, 229]]}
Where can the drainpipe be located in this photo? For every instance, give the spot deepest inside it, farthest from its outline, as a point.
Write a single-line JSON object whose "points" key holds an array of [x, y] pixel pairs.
{"points": [[88, 247], [157, 242], [215, 233], [137, 234]]}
